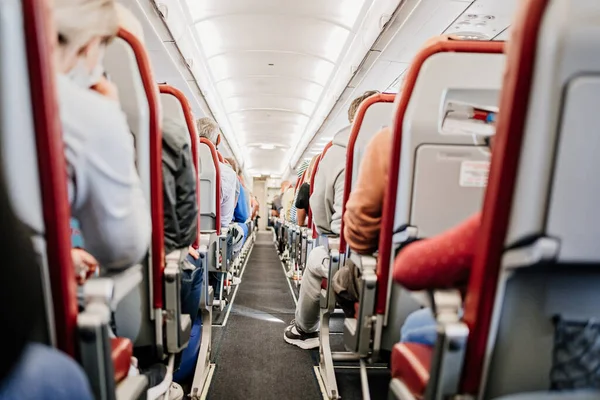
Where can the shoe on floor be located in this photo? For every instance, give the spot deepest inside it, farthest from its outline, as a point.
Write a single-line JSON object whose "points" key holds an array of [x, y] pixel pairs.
{"points": [[176, 392], [297, 337], [156, 374], [157, 384], [235, 281]]}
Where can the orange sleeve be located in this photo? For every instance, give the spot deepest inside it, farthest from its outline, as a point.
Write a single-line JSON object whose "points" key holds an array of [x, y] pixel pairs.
{"points": [[364, 208], [443, 261]]}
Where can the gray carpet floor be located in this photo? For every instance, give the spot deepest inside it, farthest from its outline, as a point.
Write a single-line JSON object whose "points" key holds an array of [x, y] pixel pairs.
{"points": [[252, 359]]}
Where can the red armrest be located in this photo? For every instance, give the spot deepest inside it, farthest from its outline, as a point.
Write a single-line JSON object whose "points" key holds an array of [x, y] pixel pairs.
{"points": [[121, 352], [324, 283], [411, 363]]}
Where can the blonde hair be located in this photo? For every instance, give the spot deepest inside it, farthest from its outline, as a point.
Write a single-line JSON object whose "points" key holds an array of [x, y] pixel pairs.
{"points": [[79, 21], [356, 103], [208, 128]]}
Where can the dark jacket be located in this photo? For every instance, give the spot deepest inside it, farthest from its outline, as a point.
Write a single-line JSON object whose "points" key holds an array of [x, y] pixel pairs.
{"points": [[179, 187], [303, 196]]}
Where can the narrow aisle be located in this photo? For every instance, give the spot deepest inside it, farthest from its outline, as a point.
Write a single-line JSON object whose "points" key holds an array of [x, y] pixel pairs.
{"points": [[253, 361]]}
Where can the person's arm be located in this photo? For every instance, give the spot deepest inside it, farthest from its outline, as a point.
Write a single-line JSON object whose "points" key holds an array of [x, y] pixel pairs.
{"points": [[187, 200], [302, 203], [109, 202], [442, 261], [362, 219], [301, 216]]}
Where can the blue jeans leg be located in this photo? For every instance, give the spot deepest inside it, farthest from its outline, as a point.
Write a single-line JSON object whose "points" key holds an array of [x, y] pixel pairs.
{"points": [[45, 373], [420, 327], [191, 288]]}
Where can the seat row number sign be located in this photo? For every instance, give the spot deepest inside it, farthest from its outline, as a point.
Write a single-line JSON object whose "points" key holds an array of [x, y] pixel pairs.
{"points": [[474, 173]]}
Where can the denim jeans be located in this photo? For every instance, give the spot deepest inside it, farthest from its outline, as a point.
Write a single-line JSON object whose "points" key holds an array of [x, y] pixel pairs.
{"points": [[420, 327], [44, 373], [191, 287]]}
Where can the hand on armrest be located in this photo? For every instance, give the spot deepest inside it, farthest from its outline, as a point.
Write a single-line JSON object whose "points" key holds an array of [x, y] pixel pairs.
{"points": [[112, 287]]}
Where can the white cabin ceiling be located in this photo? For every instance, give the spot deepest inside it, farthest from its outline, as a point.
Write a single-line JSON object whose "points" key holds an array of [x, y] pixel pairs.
{"points": [[418, 20], [270, 63], [279, 75]]}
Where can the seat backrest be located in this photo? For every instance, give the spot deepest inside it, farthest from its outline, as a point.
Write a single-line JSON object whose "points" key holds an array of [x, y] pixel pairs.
{"points": [[127, 64], [175, 105], [34, 160], [121, 65], [210, 187], [425, 162], [538, 255], [433, 194], [372, 115]]}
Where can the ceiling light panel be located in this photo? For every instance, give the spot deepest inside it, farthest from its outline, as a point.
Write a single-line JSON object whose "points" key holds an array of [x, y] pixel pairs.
{"points": [[235, 33], [270, 86], [257, 63], [340, 12], [269, 102]]}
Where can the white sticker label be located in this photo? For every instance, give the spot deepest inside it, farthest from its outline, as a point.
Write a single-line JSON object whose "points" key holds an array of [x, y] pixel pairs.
{"points": [[474, 173]]}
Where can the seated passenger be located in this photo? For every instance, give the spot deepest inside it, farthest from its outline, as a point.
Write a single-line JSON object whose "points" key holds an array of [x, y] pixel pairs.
{"points": [[303, 195], [364, 207], [362, 218], [28, 370], [104, 188], [287, 200], [361, 228], [326, 205], [208, 128], [276, 205], [255, 206], [278, 211], [293, 210], [447, 264], [181, 209], [241, 213]]}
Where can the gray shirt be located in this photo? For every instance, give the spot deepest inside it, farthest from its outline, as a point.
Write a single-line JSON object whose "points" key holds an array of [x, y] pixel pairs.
{"points": [[105, 191]]}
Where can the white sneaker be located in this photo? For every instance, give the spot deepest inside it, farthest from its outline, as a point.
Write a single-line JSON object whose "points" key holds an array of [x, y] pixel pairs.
{"points": [[236, 281], [176, 392]]}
